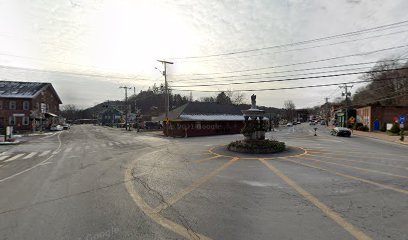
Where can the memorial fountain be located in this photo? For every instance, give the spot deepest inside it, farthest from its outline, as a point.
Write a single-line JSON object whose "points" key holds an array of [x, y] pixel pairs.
{"points": [[254, 134]]}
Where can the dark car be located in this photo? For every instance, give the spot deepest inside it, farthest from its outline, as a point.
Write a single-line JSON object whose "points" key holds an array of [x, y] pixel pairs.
{"points": [[152, 125], [341, 132]]}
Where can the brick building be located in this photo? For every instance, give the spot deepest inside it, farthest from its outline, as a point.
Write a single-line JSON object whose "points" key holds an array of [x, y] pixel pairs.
{"points": [[373, 116], [203, 118], [21, 103]]}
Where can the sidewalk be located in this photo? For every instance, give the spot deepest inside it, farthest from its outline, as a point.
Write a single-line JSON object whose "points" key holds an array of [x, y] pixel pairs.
{"points": [[381, 135]]}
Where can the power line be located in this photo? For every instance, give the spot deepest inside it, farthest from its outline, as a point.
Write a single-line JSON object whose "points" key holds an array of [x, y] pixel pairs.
{"points": [[75, 73], [293, 50], [290, 88], [302, 63], [293, 70], [294, 79], [268, 77], [378, 28]]}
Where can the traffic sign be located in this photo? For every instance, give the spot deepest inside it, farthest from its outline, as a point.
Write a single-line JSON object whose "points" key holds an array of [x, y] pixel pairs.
{"points": [[402, 119]]}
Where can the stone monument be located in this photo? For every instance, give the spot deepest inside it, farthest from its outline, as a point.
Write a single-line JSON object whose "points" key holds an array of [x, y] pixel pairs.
{"points": [[254, 133]]}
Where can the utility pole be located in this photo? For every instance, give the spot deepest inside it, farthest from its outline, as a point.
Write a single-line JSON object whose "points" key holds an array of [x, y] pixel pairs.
{"points": [[166, 89], [327, 111], [126, 106], [347, 94]]}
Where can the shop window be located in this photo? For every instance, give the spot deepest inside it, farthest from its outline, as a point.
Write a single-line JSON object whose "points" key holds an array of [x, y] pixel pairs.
{"points": [[26, 120], [12, 120]]}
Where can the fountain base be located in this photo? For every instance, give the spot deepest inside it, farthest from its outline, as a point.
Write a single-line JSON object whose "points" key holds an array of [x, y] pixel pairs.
{"points": [[256, 146]]}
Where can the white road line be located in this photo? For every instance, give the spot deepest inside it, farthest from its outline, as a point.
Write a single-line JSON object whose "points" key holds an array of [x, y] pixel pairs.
{"points": [[68, 150], [44, 153], [15, 157], [39, 164], [30, 155], [110, 143], [4, 157]]}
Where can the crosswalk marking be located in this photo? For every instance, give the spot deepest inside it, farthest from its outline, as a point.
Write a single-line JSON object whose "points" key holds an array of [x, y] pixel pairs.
{"points": [[3, 157], [56, 151], [44, 153], [68, 150], [30, 155], [15, 157]]}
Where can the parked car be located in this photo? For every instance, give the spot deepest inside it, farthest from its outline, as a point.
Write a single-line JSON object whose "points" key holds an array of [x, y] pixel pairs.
{"points": [[289, 124], [299, 122], [56, 128], [66, 126], [322, 122], [294, 123], [341, 131], [312, 123], [152, 125]]}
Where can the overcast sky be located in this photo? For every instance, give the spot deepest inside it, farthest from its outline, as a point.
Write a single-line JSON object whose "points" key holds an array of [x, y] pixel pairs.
{"points": [[118, 42]]}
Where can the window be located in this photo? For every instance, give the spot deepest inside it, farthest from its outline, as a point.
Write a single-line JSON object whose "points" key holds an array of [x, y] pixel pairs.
{"points": [[11, 120], [26, 105], [1, 105], [12, 105], [26, 120]]}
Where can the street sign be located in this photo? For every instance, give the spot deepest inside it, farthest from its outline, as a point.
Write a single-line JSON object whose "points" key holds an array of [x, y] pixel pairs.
{"points": [[402, 119], [352, 119]]}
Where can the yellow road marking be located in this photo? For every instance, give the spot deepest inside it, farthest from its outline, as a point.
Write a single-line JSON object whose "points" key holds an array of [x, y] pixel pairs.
{"points": [[207, 159], [176, 197], [149, 211], [367, 154], [352, 177], [325, 209], [358, 168], [349, 160]]}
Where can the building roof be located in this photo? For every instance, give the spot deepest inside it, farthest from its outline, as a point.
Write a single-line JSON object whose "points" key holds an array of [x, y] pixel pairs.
{"points": [[12, 89], [204, 111]]}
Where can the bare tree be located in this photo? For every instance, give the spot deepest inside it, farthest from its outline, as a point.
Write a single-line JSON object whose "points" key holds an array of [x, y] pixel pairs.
{"points": [[290, 108], [238, 98]]}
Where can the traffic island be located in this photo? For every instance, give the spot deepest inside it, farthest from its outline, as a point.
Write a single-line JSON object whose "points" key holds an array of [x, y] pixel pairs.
{"points": [[254, 134], [256, 146]]}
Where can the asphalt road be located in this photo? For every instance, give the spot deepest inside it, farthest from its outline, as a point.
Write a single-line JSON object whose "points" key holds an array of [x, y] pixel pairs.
{"points": [[94, 182]]}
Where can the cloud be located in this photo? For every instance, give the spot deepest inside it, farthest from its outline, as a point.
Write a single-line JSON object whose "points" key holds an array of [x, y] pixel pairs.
{"points": [[127, 37]]}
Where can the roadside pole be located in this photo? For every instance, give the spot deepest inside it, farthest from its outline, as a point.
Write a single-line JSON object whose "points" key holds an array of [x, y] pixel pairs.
{"points": [[166, 89]]}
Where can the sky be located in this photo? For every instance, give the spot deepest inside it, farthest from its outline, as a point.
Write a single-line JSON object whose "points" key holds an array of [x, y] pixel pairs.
{"points": [[88, 49]]}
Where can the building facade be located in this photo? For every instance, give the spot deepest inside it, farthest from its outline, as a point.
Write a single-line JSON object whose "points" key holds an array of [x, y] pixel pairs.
{"points": [[374, 116], [28, 105], [202, 119], [111, 117]]}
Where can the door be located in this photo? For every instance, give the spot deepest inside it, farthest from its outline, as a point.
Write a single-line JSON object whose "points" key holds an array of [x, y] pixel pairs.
{"points": [[376, 125]]}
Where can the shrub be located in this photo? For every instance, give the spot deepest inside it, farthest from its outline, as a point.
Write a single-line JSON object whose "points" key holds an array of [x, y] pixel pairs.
{"points": [[364, 129], [258, 145], [395, 128], [357, 126], [383, 127]]}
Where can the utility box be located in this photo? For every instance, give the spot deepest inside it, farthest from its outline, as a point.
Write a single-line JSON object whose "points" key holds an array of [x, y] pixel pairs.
{"points": [[9, 132]]}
